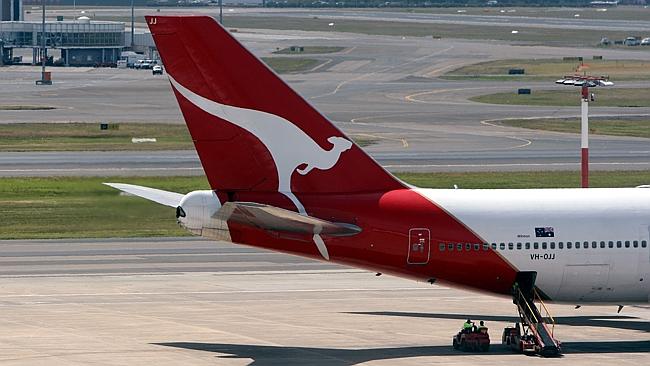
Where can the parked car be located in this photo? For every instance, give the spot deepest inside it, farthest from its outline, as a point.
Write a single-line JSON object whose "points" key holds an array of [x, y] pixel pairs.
{"points": [[632, 41], [157, 70], [645, 42]]}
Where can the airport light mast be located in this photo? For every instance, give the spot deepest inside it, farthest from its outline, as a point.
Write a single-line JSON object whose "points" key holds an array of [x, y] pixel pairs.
{"points": [[45, 79], [221, 12], [132, 24], [585, 82]]}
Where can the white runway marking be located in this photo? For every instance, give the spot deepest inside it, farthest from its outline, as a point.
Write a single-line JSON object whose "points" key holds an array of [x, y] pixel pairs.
{"points": [[222, 292], [363, 76], [504, 165], [64, 170]]}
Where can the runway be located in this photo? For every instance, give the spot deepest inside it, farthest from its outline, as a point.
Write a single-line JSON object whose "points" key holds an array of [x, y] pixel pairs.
{"points": [[608, 155], [381, 88], [171, 301], [495, 18], [459, 18]]}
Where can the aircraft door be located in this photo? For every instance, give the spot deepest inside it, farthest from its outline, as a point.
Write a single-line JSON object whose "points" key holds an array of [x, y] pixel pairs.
{"points": [[419, 246], [646, 236], [584, 282]]}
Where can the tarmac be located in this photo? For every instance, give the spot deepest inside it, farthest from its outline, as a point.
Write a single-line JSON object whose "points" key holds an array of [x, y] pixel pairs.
{"points": [[188, 301], [386, 89], [172, 301]]}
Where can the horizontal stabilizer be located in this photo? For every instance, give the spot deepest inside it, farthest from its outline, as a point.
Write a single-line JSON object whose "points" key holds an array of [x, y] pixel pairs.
{"points": [[278, 219], [171, 199]]}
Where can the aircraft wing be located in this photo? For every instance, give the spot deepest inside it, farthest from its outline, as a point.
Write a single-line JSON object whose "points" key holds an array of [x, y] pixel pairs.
{"points": [[171, 199], [278, 219]]}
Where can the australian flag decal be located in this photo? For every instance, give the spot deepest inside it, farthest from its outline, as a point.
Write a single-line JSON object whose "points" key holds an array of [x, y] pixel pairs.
{"points": [[544, 232]]}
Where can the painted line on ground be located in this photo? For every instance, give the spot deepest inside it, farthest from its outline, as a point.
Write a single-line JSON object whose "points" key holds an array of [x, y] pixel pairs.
{"points": [[328, 290], [363, 76], [506, 165], [63, 170]]}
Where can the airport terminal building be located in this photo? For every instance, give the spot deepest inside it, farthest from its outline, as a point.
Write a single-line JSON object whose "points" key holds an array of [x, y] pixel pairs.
{"points": [[82, 42], [11, 10]]}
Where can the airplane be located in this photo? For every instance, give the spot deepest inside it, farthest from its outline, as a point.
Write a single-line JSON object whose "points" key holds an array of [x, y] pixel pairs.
{"points": [[284, 178]]}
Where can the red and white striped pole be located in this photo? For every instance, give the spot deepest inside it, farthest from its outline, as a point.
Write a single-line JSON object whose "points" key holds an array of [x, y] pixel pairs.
{"points": [[584, 141]]}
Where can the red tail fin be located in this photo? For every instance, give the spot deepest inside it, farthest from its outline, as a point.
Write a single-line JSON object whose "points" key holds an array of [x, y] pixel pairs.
{"points": [[251, 130]]}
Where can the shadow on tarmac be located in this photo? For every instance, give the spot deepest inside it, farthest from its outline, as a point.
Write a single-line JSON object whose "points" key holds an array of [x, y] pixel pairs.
{"points": [[605, 321], [294, 356]]}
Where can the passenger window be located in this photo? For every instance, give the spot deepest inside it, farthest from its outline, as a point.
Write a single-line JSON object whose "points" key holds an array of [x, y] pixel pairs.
{"points": [[627, 243], [552, 245], [635, 243], [536, 245], [610, 244], [459, 247], [577, 245], [527, 245], [494, 246], [594, 244], [511, 246], [502, 246], [569, 245], [602, 244], [450, 246], [477, 246], [560, 245], [586, 245], [544, 245], [486, 246], [643, 243], [518, 246], [442, 247], [619, 244], [468, 246]]}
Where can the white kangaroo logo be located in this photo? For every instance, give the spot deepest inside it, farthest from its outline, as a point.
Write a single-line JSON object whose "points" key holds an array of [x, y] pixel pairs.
{"points": [[289, 146]]}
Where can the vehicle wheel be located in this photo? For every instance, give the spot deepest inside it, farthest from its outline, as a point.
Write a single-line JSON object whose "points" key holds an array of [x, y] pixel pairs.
{"points": [[455, 343]]}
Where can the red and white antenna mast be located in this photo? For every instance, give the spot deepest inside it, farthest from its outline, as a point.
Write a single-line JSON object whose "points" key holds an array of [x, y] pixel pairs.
{"points": [[585, 82]]}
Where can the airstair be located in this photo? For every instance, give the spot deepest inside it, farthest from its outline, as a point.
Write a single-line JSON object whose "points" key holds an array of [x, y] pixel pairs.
{"points": [[532, 321]]}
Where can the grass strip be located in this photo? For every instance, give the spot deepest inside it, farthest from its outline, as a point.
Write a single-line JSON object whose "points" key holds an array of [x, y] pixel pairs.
{"points": [[80, 207], [551, 70], [286, 65], [89, 137], [622, 126], [570, 96], [309, 50]]}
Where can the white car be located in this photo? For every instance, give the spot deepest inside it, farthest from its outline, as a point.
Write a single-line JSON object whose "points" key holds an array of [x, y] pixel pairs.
{"points": [[645, 42], [157, 70]]}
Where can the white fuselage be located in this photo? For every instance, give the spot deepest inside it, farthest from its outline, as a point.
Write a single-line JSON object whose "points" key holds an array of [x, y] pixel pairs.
{"points": [[600, 248]]}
